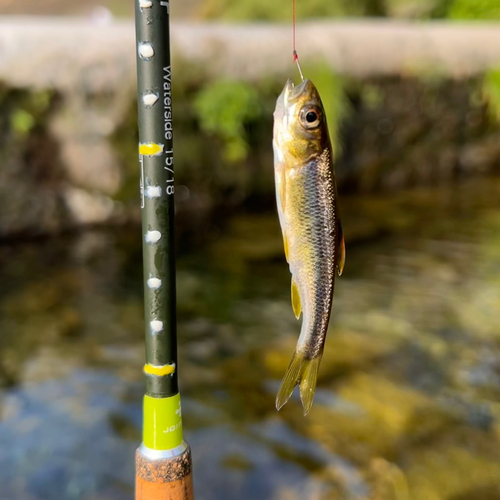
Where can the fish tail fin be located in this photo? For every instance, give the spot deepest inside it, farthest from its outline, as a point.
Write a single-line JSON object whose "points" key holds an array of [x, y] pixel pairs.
{"points": [[304, 371], [308, 383]]}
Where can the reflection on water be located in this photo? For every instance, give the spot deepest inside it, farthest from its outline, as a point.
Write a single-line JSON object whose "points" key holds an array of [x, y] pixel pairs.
{"points": [[407, 405]]}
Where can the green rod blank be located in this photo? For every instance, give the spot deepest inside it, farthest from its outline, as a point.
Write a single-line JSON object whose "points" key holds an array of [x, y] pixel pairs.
{"points": [[157, 192]]}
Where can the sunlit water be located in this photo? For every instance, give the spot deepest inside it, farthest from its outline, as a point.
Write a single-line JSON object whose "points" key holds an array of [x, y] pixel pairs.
{"points": [[407, 405]]}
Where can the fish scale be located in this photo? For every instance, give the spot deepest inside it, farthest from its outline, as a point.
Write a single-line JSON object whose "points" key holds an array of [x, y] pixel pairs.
{"points": [[315, 231]]}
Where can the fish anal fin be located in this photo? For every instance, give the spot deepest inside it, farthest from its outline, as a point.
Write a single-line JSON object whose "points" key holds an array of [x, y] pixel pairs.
{"points": [[296, 305], [341, 249], [304, 371], [285, 244]]}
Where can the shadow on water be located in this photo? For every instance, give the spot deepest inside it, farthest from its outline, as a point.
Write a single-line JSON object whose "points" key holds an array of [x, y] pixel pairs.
{"points": [[407, 405]]}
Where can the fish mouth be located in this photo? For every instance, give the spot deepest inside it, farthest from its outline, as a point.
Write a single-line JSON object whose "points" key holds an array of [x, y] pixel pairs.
{"points": [[289, 96], [291, 92]]}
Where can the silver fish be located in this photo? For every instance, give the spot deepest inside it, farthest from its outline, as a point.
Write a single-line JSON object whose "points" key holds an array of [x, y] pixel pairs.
{"points": [[306, 195]]}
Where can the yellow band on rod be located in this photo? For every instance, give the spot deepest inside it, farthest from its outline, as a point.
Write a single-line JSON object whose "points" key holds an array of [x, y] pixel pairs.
{"points": [[162, 428], [159, 370], [150, 149]]}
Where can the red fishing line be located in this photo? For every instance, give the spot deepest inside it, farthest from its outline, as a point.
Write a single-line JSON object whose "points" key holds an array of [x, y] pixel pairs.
{"points": [[295, 56]]}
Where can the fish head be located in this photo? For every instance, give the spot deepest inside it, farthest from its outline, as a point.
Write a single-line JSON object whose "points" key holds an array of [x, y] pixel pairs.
{"points": [[300, 128]]}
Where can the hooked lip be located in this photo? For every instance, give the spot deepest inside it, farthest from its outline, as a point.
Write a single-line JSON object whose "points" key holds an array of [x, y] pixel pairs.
{"points": [[287, 90], [291, 92]]}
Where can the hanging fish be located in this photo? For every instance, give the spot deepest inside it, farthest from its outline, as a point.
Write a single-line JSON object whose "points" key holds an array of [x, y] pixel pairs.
{"points": [[306, 195]]}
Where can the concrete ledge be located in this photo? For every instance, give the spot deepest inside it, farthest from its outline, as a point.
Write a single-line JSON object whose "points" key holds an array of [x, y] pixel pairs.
{"points": [[74, 54]]}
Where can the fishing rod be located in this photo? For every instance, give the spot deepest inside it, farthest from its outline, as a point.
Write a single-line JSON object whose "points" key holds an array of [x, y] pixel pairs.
{"points": [[163, 460]]}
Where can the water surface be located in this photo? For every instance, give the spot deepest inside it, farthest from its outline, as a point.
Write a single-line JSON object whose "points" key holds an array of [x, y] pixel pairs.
{"points": [[407, 405]]}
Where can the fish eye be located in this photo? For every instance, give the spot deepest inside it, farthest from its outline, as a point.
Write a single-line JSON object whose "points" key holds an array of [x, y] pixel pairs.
{"points": [[310, 118]]}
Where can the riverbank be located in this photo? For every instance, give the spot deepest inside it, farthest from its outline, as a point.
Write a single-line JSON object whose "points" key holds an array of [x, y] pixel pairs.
{"points": [[424, 113]]}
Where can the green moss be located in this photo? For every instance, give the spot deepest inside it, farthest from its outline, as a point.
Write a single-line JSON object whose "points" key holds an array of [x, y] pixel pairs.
{"points": [[22, 121], [224, 108], [22, 110]]}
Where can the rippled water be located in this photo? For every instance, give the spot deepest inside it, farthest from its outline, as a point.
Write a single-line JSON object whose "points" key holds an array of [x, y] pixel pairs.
{"points": [[407, 405]]}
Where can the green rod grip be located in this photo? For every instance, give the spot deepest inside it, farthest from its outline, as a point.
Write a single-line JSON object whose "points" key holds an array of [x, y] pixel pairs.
{"points": [[162, 429]]}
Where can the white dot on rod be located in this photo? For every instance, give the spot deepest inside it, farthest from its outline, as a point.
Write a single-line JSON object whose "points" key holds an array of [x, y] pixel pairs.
{"points": [[153, 236], [149, 99], [146, 50], [153, 192], [154, 283], [145, 4], [156, 326]]}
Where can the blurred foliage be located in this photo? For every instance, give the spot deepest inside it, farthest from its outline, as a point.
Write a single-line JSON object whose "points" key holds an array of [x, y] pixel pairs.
{"points": [[491, 92], [474, 9], [281, 10], [224, 107]]}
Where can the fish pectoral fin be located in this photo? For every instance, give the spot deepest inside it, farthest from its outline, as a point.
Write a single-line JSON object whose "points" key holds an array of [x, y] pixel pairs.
{"points": [[282, 191], [281, 199], [296, 305], [341, 249], [303, 371]]}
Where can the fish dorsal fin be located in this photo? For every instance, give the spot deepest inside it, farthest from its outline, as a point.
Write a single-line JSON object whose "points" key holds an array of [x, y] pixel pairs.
{"points": [[341, 249], [296, 305]]}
